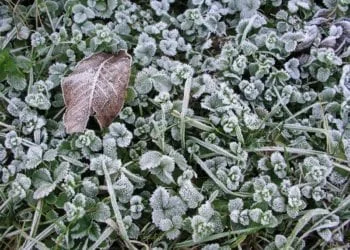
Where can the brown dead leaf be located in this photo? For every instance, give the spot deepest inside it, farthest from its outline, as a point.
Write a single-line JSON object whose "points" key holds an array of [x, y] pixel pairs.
{"points": [[97, 86]]}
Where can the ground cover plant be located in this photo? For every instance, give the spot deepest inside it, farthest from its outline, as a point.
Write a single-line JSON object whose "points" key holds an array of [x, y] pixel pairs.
{"points": [[234, 133]]}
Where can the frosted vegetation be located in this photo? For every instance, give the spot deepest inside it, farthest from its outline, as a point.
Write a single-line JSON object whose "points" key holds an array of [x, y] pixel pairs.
{"points": [[235, 133]]}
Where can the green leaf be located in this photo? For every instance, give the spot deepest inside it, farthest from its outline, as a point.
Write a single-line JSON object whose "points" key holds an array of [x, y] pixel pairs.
{"points": [[61, 171], [41, 177], [102, 212], [17, 81], [7, 65], [130, 95], [23, 63], [34, 155], [94, 231], [61, 199], [150, 159], [44, 190], [50, 155]]}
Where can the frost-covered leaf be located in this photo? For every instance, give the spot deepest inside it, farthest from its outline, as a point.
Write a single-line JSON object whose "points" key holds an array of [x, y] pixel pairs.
{"points": [[61, 171], [150, 159], [34, 155], [101, 212], [50, 155], [44, 190], [94, 231], [17, 82], [97, 86], [344, 82]]}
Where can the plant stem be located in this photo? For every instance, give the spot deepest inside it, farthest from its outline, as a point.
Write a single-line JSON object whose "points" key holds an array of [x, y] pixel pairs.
{"points": [[118, 216], [3, 205], [185, 101], [49, 230], [215, 148], [193, 122], [300, 151], [162, 139], [106, 233], [190, 243], [247, 29], [36, 221], [217, 181], [7, 126]]}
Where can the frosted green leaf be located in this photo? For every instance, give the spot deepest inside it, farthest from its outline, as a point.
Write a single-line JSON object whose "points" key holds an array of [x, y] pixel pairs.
{"points": [[82, 13], [38, 100], [206, 210], [34, 155], [325, 234], [292, 67], [23, 180], [248, 48], [278, 204], [50, 155], [43, 191], [3, 153], [112, 165], [15, 106], [40, 177], [280, 240], [190, 194], [323, 74], [23, 62], [61, 171], [168, 47], [149, 78], [89, 187], [94, 231], [165, 206], [161, 82], [344, 82], [179, 159], [235, 204], [17, 82], [123, 189], [121, 134], [150, 159], [164, 169], [128, 115], [110, 147], [165, 224], [101, 212], [5, 24], [255, 214]]}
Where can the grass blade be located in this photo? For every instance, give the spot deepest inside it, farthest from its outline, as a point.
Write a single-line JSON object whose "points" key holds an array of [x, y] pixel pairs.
{"points": [[302, 222]]}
